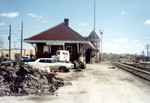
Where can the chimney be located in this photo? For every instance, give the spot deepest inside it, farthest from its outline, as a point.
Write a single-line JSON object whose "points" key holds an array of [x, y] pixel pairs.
{"points": [[66, 21]]}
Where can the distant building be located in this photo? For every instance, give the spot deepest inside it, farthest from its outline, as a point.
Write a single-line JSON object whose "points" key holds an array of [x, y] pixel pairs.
{"points": [[62, 37], [95, 53], [14, 52]]}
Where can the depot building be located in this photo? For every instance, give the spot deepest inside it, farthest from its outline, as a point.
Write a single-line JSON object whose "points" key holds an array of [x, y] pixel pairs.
{"points": [[62, 37]]}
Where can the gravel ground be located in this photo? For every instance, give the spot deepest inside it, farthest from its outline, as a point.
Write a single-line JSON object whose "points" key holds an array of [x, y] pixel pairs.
{"points": [[95, 84]]}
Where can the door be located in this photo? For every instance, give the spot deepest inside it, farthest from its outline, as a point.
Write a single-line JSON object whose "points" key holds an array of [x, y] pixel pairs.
{"points": [[51, 64], [88, 55]]}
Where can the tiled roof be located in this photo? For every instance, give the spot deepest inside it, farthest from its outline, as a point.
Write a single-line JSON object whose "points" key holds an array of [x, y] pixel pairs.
{"points": [[59, 32], [93, 35]]}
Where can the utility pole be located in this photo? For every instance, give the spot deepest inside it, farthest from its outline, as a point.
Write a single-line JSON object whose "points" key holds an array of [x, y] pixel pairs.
{"points": [[101, 32], [21, 40], [94, 14], [9, 38], [147, 49], [143, 57]]}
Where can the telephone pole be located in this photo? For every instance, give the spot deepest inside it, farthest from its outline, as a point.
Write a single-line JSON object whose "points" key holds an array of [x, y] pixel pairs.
{"points": [[94, 14], [147, 48], [21, 40], [9, 38]]}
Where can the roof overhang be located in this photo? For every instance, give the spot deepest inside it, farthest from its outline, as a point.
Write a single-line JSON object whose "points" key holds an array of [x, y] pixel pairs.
{"points": [[58, 42]]}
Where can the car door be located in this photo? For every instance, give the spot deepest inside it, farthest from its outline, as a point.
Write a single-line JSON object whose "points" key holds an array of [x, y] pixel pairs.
{"points": [[56, 64], [51, 64], [42, 63]]}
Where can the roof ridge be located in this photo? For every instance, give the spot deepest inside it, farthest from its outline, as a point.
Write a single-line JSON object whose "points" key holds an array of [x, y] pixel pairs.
{"points": [[75, 31]]}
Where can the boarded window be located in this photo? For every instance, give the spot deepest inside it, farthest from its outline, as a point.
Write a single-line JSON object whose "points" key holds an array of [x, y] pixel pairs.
{"points": [[45, 50], [69, 48]]}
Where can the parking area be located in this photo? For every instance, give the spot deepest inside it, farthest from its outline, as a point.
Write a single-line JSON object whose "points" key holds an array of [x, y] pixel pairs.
{"points": [[96, 84]]}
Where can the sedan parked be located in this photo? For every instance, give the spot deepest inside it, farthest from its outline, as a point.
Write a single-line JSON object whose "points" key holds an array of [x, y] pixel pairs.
{"points": [[51, 64]]}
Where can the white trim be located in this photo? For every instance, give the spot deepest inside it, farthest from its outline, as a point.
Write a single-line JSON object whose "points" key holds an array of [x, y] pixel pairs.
{"points": [[82, 48], [78, 48], [91, 45], [50, 48], [59, 42], [53, 41]]}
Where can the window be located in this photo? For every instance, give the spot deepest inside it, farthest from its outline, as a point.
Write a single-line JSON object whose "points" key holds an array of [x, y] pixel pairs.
{"points": [[58, 53], [45, 50], [69, 48], [55, 61], [42, 61], [49, 61]]}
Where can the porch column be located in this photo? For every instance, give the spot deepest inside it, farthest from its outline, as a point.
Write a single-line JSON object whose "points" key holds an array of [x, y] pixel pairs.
{"points": [[50, 48], [64, 46], [78, 48]]}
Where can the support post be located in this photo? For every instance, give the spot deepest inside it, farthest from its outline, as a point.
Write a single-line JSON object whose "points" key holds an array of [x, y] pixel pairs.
{"points": [[78, 48]]}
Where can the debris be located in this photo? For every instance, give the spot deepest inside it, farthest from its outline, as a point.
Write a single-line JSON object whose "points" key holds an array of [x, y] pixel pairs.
{"points": [[67, 83], [24, 79], [111, 67], [78, 70]]}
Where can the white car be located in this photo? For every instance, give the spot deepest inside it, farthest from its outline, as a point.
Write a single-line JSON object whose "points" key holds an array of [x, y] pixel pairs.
{"points": [[51, 64]]}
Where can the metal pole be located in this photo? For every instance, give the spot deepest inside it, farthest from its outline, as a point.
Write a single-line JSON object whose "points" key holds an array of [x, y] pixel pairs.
{"points": [[9, 38], [94, 14], [21, 40], [101, 32], [147, 48], [101, 45]]}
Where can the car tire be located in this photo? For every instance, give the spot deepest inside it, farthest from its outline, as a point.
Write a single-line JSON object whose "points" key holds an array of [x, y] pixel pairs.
{"points": [[76, 65], [63, 69], [83, 65]]}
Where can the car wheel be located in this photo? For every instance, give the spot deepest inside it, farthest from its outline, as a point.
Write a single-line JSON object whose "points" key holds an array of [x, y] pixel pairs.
{"points": [[76, 65], [83, 65], [63, 69]]}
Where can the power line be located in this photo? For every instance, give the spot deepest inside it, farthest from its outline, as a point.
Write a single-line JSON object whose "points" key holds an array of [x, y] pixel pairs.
{"points": [[18, 36]]}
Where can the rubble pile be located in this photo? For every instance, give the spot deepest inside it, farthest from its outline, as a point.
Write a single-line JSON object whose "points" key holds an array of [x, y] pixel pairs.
{"points": [[24, 79]]}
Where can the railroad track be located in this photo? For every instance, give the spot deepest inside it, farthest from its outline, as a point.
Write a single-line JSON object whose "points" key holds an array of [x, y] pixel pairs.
{"points": [[136, 71]]}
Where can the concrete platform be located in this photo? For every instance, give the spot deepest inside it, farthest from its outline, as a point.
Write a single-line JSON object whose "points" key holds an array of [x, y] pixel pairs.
{"points": [[96, 84]]}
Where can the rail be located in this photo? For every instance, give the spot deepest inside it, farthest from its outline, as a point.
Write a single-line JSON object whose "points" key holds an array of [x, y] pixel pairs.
{"points": [[136, 71]]}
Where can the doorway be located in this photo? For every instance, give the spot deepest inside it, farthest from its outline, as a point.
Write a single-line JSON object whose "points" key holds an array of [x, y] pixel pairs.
{"points": [[88, 55]]}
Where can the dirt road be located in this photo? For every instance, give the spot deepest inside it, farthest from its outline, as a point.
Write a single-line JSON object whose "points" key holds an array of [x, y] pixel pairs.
{"points": [[96, 84]]}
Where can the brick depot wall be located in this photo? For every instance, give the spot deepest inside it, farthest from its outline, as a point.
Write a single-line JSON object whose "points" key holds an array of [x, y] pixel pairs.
{"points": [[73, 56]]}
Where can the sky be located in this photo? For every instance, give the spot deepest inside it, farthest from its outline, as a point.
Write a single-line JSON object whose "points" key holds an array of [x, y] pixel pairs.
{"points": [[125, 23]]}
